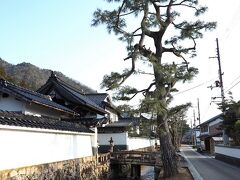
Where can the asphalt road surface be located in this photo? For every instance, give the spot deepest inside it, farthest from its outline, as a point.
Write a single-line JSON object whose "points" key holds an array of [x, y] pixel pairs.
{"points": [[209, 168]]}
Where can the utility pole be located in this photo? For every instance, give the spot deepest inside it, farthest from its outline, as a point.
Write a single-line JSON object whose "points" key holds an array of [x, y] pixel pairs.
{"points": [[220, 77], [198, 111], [220, 85], [199, 130], [194, 128], [194, 119], [191, 132]]}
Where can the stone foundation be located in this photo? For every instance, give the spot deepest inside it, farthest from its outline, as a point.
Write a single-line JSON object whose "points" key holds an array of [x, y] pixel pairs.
{"points": [[83, 168]]}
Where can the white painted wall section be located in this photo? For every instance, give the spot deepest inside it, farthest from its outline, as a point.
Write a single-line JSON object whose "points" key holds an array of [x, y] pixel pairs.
{"points": [[118, 138], [94, 138], [113, 115], [123, 139], [11, 104], [34, 109], [232, 152], [136, 143], [25, 146]]}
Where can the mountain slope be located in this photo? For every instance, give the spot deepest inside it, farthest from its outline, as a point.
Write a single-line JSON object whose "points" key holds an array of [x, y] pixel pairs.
{"points": [[32, 77]]}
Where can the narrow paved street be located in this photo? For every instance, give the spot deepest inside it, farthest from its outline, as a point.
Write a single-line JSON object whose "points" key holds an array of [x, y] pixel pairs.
{"points": [[209, 168]]}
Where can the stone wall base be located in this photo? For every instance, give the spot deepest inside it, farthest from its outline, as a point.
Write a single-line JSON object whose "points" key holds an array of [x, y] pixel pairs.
{"points": [[228, 159], [75, 169]]}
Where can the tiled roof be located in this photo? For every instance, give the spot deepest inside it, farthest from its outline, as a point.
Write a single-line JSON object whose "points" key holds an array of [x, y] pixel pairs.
{"points": [[119, 124], [98, 98], [84, 99], [70, 92], [89, 122], [30, 96], [210, 135], [219, 116], [134, 120], [21, 120]]}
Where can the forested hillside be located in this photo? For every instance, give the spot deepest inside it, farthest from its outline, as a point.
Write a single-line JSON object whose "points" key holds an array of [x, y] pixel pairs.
{"points": [[32, 77]]}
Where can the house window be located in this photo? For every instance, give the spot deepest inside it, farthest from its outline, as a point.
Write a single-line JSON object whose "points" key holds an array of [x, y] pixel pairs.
{"points": [[204, 128], [5, 95]]}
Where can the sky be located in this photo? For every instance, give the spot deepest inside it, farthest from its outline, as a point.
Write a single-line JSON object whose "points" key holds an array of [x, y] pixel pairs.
{"points": [[57, 35]]}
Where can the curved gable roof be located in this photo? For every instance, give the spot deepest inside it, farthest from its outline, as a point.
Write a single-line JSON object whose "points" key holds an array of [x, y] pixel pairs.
{"points": [[98, 98], [31, 96], [70, 93]]}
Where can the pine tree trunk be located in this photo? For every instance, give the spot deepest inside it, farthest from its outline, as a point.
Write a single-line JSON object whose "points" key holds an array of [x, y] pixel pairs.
{"points": [[168, 153]]}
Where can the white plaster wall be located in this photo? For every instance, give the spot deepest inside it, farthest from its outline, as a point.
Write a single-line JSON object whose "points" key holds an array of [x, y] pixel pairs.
{"points": [[11, 104], [136, 143], [232, 152], [94, 138], [118, 138], [34, 109], [123, 139], [23, 148], [112, 114]]}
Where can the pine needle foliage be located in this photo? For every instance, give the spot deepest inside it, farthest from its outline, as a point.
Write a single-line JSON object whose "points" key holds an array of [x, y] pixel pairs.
{"points": [[151, 29]]}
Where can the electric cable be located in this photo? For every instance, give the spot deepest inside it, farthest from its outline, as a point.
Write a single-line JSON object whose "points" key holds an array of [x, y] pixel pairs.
{"points": [[233, 81], [232, 86], [201, 84]]}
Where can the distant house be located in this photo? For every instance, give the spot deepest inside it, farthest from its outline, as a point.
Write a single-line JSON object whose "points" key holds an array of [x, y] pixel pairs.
{"points": [[187, 137], [95, 109], [127, 133], [72, 98], [211, 133], [17, 99], [118, 133], [104, 101]]}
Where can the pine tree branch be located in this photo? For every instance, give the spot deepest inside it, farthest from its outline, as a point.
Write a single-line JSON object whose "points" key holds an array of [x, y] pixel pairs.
{"points": [[119, 12], [178, 4], [144, 91], [146, 73], [145, 30], [168, 12], [158, 14], [177, 52]]}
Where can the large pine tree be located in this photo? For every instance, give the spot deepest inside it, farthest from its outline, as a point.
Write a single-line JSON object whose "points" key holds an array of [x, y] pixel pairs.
{"points": [[162, 22]]}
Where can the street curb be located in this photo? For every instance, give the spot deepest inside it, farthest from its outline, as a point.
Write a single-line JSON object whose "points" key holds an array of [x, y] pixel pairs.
{"points": [[192, 169]]}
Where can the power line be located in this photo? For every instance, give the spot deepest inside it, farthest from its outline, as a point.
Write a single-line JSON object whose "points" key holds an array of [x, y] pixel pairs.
{"points": [[189, 89], [233, 86], [234, 80], [201, 84]]}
